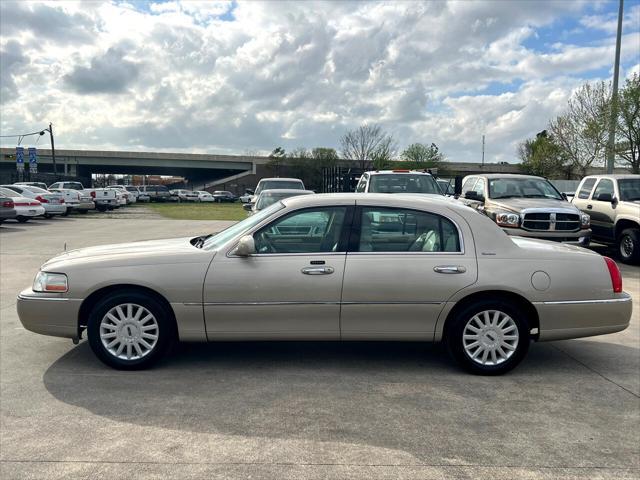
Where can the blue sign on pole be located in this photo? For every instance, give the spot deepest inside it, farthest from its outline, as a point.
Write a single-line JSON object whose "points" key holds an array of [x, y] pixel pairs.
{"points": [[20, 158], [33, 160]]}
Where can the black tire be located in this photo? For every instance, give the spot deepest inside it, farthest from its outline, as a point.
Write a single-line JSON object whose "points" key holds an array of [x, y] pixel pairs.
{"points": [[67, 212], [83, 211], [101, 208], [455, 330], [22, 219], [628, 246], [48, 216], [165, 330]]}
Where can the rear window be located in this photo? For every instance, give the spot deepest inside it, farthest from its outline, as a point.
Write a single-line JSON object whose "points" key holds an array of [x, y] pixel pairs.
{"points": [[586, 188], [403, 183], [73, 185], [280, 185]]}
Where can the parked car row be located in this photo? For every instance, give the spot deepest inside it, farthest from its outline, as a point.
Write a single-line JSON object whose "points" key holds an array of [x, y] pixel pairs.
{"points": [[202, 196]]}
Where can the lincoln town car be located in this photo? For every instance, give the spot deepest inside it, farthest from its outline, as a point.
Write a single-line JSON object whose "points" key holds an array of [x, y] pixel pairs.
{"points": [[334, 267]]}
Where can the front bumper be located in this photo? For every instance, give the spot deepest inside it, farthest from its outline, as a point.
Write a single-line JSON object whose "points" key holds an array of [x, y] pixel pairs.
{"points": [[561, 320], [49, 313], [582, 238]]}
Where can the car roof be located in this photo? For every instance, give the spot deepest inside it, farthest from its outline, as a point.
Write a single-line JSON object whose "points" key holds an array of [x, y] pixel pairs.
{"points": [[398, 172], [281, 179], [502, 175], [286, 190], [398, 200], [614, 175]]}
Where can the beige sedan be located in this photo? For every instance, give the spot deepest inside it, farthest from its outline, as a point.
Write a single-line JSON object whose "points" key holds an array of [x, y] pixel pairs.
{"points": [[332, 267]]}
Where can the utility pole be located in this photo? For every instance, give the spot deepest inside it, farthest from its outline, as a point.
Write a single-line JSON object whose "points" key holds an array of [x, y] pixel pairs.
{"points": [[483, 150], [611, 144], [53, 152]]}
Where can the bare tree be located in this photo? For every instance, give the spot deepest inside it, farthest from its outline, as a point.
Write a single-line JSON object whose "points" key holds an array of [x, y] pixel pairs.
{"points": [[628, 131], [581, 133], [366, 143]]}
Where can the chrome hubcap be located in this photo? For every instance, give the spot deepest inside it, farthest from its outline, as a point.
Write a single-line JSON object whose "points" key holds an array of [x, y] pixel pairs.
{"points": [[626, 246], [129, 331], [490, 337]]}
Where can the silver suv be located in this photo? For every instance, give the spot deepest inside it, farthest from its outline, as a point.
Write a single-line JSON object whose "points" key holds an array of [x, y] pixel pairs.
{"points": [[613, 202]]}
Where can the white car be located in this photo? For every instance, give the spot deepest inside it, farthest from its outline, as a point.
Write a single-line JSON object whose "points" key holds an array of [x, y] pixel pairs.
{"points": [[204, 196], [129, 197], [184, 195], [76, 200], [53, 202], [26, 208]]}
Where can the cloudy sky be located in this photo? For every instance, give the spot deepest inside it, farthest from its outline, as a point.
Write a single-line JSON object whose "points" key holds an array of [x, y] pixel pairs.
{"points": [[236, 77]]}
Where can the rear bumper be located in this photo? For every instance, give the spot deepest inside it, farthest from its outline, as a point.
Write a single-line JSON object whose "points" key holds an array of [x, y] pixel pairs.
{"points": [[55, 208], [84, 206], [583, 318], [48, 314]]}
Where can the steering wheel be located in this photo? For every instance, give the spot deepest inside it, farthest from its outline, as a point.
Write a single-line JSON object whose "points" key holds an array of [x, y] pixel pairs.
{"points": [[265, 243]]}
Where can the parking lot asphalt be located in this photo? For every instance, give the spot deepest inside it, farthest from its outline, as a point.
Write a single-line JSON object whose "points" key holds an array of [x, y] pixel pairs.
{"points": [[302, 410]]}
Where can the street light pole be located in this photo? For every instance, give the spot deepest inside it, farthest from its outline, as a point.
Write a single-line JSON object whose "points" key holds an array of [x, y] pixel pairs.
{"points": [[53, 152], [611, 144]]}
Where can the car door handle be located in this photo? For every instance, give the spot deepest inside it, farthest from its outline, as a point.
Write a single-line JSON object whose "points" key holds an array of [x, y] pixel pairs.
{"points": [[589, 207], [317, 270], [449, 269]]}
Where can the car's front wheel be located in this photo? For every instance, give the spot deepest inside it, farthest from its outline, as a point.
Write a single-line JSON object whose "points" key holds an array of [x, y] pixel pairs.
{"points": [[488, 337], [129, 331], [629, 246]]}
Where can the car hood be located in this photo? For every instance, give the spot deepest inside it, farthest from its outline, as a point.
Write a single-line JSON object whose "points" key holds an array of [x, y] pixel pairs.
{"points": [[164, 251], [519, 204]]}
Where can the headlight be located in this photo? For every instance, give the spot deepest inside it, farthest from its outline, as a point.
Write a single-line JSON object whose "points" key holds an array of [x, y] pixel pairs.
{"points": [[508, 220], [50, 282], [585, 221]]}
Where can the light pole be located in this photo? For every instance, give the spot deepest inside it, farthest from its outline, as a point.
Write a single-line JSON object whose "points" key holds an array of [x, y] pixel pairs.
{"points": [[53, 149], [611, 144]]}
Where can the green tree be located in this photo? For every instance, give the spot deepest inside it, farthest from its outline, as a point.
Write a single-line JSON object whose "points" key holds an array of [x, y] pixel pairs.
{"points": [[581, 133], [628, 127], [423, 155], [542, 156]]}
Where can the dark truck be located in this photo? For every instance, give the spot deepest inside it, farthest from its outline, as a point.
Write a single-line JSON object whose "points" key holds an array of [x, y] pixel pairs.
{"points": [[527, 206]]}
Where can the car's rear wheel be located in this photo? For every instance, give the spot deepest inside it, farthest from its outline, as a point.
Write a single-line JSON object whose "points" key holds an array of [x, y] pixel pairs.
{"points": [[489, 337], [22, 219], [129, 331], [629, 246]]}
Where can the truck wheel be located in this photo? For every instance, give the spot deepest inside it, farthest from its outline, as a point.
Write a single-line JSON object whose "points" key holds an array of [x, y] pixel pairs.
{"points": [[629, 246], [489, 337], [130, 331]]}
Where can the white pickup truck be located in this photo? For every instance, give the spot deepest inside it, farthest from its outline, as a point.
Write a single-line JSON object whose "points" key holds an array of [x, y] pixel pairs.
{"points": [[104, 198]]}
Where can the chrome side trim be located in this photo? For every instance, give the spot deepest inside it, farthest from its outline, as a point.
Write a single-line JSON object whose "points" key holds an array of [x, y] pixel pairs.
{"points": [[584, 302], [192, 304], [53, 299]]}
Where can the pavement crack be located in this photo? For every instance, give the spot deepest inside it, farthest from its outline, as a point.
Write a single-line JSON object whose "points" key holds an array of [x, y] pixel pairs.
{"points": [[595, 371]]}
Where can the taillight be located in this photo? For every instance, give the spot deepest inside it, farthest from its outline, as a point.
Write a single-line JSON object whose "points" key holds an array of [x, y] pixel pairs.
{"points": [[62, 200], [614, 273], [35, 203], [93, 194], [41, 199], [8, 204]]}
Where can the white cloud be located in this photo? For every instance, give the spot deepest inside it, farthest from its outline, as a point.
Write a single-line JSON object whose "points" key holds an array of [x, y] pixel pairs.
{"points": [[181, 76]]}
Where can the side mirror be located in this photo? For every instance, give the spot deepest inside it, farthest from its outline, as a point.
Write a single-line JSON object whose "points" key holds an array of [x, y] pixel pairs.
{"points": [[246, 246], [247, 206], [605, 197], [473, 195], [564, 196]]}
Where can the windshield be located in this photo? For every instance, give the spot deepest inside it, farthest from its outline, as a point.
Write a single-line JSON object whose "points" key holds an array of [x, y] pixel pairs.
{"points": [[279, 185], [239, 228], [523, 188], [403, 183], [629, 189]]}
